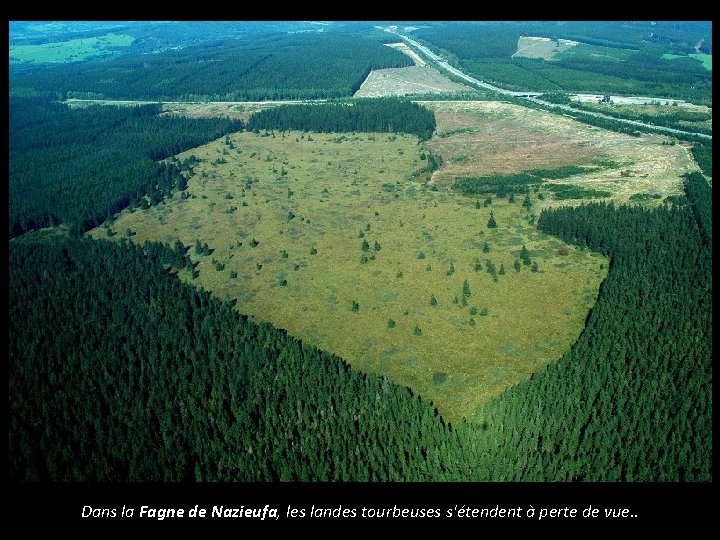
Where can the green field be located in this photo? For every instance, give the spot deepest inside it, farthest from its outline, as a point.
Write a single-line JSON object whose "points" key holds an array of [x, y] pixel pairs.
{"points": [[68, 51], [704, 59], [284, 215]]}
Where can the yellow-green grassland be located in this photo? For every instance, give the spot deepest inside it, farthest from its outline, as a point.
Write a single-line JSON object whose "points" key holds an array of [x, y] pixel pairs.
{"points": [[286, 215]]}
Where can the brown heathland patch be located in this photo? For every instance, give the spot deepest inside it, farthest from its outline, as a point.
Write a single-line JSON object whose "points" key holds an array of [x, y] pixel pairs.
{"points": [[481, 138], [408, 80], [541, 47]]}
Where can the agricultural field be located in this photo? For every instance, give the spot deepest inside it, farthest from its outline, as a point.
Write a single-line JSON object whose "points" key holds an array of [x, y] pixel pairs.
{"points": [[408, 80], [541, 47], [328, 237], [72, 50], [481, 138]]}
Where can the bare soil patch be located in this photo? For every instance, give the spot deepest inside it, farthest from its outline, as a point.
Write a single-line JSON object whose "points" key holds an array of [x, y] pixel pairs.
{"points": [[408, 80], [541, 47]]}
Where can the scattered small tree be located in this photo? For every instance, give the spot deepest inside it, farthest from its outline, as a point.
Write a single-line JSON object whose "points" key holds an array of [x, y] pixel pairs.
{"points": [[433, 300], [391, 323], [477, 205], [417, 331], [502, 269], [355, 306], [525, 256], [526, 203], [466, 288], [535, 267], [377, 246], [421, 255], [564, 250], [517, 265], [365, 246], [491, 222], [487, 202], [478, 265], [451, 270], [486, 248], [511, 199]]}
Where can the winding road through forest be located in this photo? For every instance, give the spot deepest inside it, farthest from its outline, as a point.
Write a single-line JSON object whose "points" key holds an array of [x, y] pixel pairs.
{"points": [[532, 96]]}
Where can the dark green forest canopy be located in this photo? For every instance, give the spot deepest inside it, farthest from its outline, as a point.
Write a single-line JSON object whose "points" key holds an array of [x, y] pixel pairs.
{"points": [[80, 166], [118, 371], [387, 115], [266, 67], [127, 374]]}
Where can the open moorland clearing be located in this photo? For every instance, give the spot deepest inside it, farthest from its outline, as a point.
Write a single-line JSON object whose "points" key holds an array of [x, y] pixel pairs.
{"points": [[542, 47], [286, 216], [483, 137], [408, 80]]}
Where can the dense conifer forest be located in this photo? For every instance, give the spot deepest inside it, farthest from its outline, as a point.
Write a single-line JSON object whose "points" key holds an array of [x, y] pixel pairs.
{"points": [[80, 166], [275, 66], [380, 115]]}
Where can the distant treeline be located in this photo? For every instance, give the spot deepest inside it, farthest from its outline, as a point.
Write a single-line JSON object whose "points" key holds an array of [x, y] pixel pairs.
{"points": [[262, 67], [80, 166], [388, 115]]}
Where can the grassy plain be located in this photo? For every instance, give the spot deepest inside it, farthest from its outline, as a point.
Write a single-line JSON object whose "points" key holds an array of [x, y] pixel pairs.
{"points": [[284, 216], [68, 51], [484, 137]]}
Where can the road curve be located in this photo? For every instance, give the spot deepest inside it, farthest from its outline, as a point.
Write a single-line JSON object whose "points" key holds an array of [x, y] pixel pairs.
{"points": [[533, 96]]}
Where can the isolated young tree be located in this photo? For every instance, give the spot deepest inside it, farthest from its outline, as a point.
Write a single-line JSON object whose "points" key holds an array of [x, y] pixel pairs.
{"points": [[517, 265], [486, 248], [526, 203], [477, 205], [487, 202], [478, 265], [491, 222], [377, 246], [451, 270], [525, 256], [433, 300], [535, 267], [466, 288], [355, 306], [365, 246], [502, 269]]}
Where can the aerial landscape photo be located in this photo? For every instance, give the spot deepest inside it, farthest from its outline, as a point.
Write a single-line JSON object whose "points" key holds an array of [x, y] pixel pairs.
{"points": [[358, 251]]}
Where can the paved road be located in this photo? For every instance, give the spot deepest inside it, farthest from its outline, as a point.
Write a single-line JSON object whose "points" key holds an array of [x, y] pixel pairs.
{"points": [[533, 96]]}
